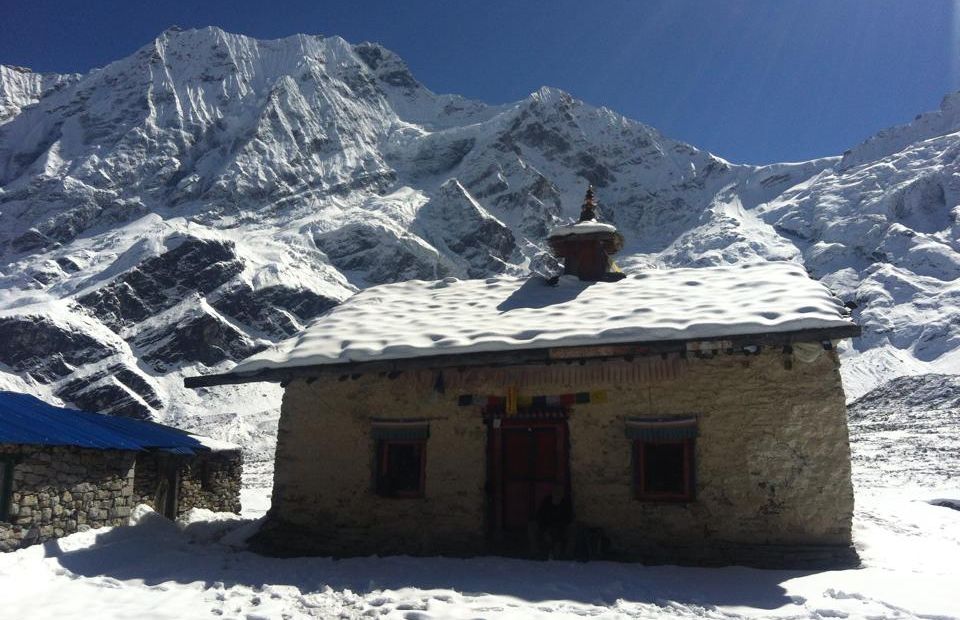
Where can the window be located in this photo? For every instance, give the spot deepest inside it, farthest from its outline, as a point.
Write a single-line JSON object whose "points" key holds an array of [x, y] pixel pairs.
{"points": [[663, 458], [401, 468], [6, 487], [401, 458]]}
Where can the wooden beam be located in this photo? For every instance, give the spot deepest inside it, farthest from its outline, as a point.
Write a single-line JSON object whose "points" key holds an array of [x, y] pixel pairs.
{"points": [[517, 357]]}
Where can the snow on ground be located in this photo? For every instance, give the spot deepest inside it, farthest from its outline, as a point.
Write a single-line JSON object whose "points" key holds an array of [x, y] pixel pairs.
{"points": [[157, 569], [906, 531]]}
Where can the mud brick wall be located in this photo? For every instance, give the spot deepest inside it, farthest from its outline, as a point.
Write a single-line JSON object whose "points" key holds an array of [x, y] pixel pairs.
{"points": [[57, 490], [772, 460]]}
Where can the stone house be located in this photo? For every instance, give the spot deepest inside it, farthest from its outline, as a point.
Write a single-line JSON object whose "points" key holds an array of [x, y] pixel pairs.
{"points": [[63, 470], [686, 415]]}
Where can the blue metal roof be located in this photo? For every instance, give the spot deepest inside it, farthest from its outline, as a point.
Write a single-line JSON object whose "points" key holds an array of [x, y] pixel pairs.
{"points": [[25, 419]]}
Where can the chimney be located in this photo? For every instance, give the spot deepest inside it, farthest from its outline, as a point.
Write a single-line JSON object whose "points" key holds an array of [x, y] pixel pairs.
{"points": [[586, 247]]}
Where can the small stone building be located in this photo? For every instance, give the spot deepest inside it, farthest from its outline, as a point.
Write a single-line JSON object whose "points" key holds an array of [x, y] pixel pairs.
{"points": [[689, 415], [63, 470]]}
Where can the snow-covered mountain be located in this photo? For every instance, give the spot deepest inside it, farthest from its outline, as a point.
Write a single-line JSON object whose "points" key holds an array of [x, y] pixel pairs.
{"points": [[190, 204]]}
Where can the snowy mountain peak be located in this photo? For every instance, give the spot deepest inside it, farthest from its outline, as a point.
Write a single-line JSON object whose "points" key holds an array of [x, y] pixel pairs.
{"points": [[387, 66], [212, 193], [928, 125]]}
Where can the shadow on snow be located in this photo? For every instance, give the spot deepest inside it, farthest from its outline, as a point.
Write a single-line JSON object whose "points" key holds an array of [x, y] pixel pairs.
{"points": [[156, 551]]}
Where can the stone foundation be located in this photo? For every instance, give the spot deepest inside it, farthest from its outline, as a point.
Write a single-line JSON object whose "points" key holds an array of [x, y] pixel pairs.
{"points": [[772, 460]]}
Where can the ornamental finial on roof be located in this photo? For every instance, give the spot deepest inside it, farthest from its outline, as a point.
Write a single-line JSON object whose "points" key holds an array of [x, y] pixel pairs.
{"points": [[589, 209]]}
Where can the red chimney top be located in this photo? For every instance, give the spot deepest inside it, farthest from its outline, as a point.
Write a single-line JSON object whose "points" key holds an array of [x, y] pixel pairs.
{"points": [[586, 246]]}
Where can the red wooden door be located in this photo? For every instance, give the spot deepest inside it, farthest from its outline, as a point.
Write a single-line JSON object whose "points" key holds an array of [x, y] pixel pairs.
{"points": [[533, 458]]}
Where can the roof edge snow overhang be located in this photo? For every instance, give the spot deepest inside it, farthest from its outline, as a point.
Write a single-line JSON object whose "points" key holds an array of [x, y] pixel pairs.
{"points": [[518, 357]]}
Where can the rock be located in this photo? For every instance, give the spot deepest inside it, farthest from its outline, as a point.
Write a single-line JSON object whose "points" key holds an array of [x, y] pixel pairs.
{"points": [[46, 350], [108, 391], [160, 282], [438, 154], [279, 311], [455, 222], [196, 336], [106, 395], [378, 253]]}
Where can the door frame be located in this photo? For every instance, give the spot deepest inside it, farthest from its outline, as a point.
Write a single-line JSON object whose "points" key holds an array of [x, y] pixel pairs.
{"points": [[495, 460], [168, 485]]}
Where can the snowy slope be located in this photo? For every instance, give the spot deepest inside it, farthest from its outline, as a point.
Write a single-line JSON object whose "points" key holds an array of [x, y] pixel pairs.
{"points": [[211, 194], [20, 87], [885, 235]]}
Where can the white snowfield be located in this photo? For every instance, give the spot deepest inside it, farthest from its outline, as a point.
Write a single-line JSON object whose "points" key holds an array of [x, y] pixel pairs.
{"points": [[418, 318]]}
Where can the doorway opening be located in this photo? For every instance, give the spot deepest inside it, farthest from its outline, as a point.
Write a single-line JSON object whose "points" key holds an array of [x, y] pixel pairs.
{"points": [[527, 457]]}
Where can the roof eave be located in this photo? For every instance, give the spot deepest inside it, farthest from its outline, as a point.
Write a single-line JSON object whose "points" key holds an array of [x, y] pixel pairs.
{"points": [[517, 356]]}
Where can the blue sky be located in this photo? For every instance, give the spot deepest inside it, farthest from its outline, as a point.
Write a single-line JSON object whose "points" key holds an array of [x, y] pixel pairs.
{"points": [[753, 81]]}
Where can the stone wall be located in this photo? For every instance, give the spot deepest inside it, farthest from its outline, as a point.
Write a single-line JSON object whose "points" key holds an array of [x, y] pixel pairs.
{"points": [[207, 480], [212, 481], [772, 460], [60, 490]]}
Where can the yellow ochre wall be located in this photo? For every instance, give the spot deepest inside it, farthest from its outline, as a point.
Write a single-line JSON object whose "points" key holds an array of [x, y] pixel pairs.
{"points": [[772, 459]]}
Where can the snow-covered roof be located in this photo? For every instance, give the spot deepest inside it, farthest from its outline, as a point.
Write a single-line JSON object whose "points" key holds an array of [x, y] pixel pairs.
{"points": [[418, 318], [581, 228]]}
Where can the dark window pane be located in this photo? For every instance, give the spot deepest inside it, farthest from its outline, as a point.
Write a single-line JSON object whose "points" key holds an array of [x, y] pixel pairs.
{"points": [[401, 467], [663, 469]]}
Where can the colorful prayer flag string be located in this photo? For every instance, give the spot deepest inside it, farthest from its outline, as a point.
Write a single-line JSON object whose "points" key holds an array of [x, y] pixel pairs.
{"points": [[512, 401]]}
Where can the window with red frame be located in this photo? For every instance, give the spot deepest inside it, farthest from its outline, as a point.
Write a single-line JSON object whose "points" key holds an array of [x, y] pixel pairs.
{"points": [[401, 467], [663, 470]]}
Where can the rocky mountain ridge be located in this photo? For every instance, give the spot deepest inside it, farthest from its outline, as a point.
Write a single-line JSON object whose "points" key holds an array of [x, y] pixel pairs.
{"points": [[211, 194]]}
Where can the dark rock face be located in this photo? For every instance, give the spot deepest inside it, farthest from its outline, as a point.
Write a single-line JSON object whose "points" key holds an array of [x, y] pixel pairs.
{"points": [[387, 66], [109, 391], [44, 350], [538, 203], [436, 156], [68, 264], [277, 311], [104, 396], [32, 240], [158, 283], [379, 254], [453, 219], [197, 337]]}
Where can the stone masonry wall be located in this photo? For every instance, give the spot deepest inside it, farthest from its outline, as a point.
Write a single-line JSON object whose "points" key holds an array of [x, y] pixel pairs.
{"points": [[772, 460], [211, 481], [60, 490]]}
